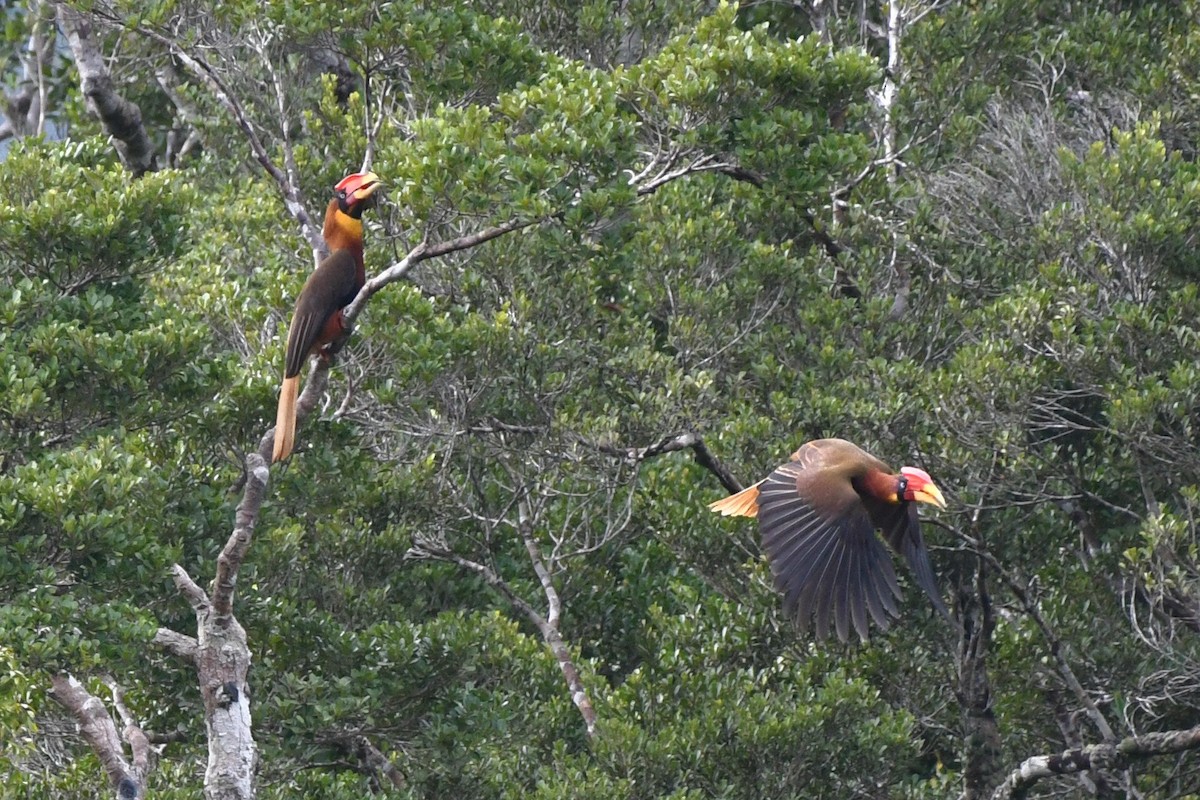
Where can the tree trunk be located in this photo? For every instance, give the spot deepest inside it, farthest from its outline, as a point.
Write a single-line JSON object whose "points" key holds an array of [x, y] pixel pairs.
{"points": [[982, 735]]}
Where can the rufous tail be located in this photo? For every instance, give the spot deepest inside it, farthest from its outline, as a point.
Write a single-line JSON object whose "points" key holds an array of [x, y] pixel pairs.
{"points": [[285, 419], [742, 504]]}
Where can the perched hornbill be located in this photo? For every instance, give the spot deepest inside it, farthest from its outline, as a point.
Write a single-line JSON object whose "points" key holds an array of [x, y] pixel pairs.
{"points": [[317, 321], [818, 515]]}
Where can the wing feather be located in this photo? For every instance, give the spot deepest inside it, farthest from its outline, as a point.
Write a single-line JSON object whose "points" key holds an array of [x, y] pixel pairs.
{"points": [[904, 535], [331, 286], [818, 533], [828, 568]]}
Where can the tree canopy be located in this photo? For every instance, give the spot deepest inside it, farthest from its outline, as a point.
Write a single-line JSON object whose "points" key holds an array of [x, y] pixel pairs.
{"points": [[629, 256]]}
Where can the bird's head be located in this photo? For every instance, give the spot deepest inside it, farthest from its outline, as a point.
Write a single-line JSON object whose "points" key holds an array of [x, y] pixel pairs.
{"points": [[356, 192], [915, 484]]}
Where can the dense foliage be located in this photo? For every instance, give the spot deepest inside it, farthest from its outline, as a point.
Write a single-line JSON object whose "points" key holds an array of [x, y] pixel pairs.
{"points": [[709, 237]]}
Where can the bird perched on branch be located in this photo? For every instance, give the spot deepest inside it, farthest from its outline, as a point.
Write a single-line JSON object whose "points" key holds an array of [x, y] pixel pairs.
{"points": [[317, 323], [818, 515]]}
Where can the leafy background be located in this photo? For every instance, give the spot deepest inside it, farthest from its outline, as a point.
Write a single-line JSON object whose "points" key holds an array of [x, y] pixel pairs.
{"points": [[1010, 301]]}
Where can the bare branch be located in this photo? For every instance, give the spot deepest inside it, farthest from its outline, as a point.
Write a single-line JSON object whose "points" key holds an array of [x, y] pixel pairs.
{"points": [[310, 398], [132, 733], [549, 630], [208, 76], [371, 130], [100, 733], [168, 81], [234, 552], [195, 596], [177, 643], [671, 444], [1030, 606], [289, 154], [428, 550], [525, 526], [121, 118], [1109, 755]]}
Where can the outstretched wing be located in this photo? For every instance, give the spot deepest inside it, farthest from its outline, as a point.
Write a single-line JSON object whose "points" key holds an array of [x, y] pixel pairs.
{"points": [[821, 545]]}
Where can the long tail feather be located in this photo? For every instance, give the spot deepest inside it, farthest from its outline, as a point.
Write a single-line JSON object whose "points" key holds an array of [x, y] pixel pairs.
{"points": [[742, 504], [285, 419]]}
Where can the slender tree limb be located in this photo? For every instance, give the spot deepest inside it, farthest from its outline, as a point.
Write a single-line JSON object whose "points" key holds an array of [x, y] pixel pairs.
{"points": [[25, 108], [1058, 652], [310, 398], [204, 72], [132, 733], [1030, 607], [549, 632], [426, 251], [489, 576], [1108, 755], [371, 129], [125, 778], [289, 153], [168, 80], [549, 624], [525, 526], [234, 552], [702, 164], [671, 444], [121, 118]]}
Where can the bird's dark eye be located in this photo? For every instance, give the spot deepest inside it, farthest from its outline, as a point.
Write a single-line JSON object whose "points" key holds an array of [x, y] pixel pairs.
{"points": [[901, 487]]}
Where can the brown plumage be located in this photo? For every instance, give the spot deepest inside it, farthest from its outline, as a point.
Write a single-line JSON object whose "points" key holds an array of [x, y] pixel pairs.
{"points": [[818, 515], [317, 321]]}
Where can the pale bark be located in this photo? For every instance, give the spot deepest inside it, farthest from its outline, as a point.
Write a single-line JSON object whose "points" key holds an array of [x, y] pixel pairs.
{"points": [[126, 777], [180, 143], [221, 654], [1109, 755], [195, 65], [671, 444], [121, 118], [549, 625]]}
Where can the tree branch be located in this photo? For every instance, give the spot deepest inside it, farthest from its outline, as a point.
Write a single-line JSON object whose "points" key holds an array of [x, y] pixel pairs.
{"points": [[195, 596], [234, 552], [208, 76], [25, 108], [168, 80], [176, 643], [132, 733], [670, 444], [1056, 646], [121, 118], [1108, 755], [549, 631], [100, 733], [220, 652], [310, 398]]}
